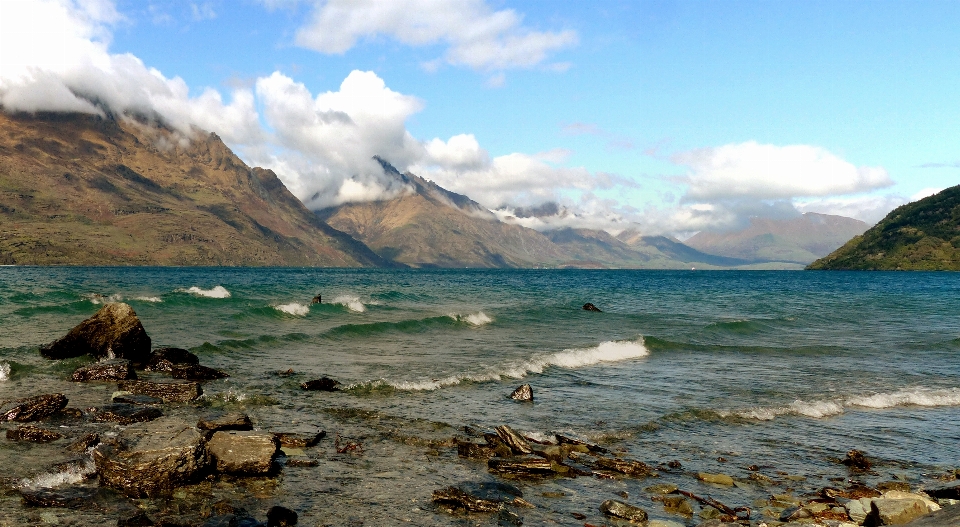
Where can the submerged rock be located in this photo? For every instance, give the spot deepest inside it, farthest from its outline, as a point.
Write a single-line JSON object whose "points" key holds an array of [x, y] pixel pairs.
{"points": [[230, 421], [105, 370], [32, 433], [619, 509], [245, 452], [524, 467], [590, 307], [176, 391], [126, 414], [135, 398], [522, 393], [64, 497], [33, 408], [113, 332], [152, 459], [471, 450], [281, 517], [298, 440], [716, 479], [323, 384], [196, 372], [163, 359]]}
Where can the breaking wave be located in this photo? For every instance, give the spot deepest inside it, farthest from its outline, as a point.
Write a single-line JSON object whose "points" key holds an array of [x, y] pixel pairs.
{"points": [[216, 292], [154, 299], [474, 319], [293, 308], [820, 409], [350, 302], [4, 371]]}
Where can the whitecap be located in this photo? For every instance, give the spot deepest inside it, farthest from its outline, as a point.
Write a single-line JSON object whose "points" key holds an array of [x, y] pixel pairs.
{"points": [[474, 319], [154, 299], [350, 302], [293, 308], [909, 397], [216, 292], [4, 371], [97, 298]]}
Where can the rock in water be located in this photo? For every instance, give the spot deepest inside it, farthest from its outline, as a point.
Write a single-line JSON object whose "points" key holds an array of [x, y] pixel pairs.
{"points": [[152, 459], [177, 391], [163, 359], [126, 414], [857, 459], [323, 384], [298, 440], [32, 433], [516, 443], [894, 512], [196, 372], [619, 509], [453, 496], [242, 452], [522, 393], [231, 421], [281, 517], [105, 370], [33, 408], [113, 332], [69, 497], [590, 307]]}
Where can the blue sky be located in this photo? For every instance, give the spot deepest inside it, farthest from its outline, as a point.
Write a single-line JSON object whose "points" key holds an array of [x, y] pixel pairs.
{"points": [[669, 116]]}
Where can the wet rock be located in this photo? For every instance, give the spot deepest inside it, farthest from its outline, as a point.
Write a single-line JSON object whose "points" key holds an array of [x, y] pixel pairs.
{"points": [[662, 488], [506, 518], [298, 440], [795, 513], [457, 498], [32, 433], [590, 307], [565, 440], [523, 467], [64, 497], [196, 372], [72, 413], [947, 492], [33, 408], [301, 462], [471, 450], [105, 370], [317, 299], [138, 520], [242, 452], [240, 518], [281, 517], [113, 332], [82, 444], [522, 393], [175, 391], [677, 505], [945, 517], [854, 492], [902, 486], [619, 509], [163, 359], [323, 384], [716, 479], [126, 414], [135, 398], [516, 443], [152, 459], [857, 460], [229, 421], [624, 466], [894, 512]]}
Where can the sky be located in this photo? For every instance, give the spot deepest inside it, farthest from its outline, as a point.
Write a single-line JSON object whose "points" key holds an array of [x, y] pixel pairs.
{"points": [[669, 117]]}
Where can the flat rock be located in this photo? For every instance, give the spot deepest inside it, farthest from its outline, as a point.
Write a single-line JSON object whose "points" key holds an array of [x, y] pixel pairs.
{"points": [[32, 433], [523, 467], [522, 393], [175, 391], [196, 372], [619, 509], [64, 497], [126, 414], [33, 408], [242, 452], [152, 459], [323, 384], [299, 440], [163, 359], [230, 421], [113, 332], [716, 479], [629, 467], [135, 398], [105, 370], [514, 440], [885, 511]]}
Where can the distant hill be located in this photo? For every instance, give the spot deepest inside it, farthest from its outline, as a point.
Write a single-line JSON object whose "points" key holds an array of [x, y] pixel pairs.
{"points": [[79, 189], [798, 240], [919, 236]]}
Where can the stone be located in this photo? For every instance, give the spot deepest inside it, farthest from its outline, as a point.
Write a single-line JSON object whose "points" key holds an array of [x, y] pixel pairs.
{"points": [[857, 460], [229, 421], [135, 398], [661, 488], [795, 513], [126, 414], [63, 497], [590, 307], [152, 459], [945, 517], [33, 408], [716, 479], [663, 523], [453, 496], [565, 440], [196, 372], [84, 443], [514, 440], [902, 486], [298, 440], [323, 384], [619, 509], [32, 433], [281, 517], [902, 495], [523, 467], [163, 359], [677, 505], [885, 511], [138, 520], [471, 450], [479, 497], [174, 391], [947, 492], [624, 466], [522, 393], [105, 370], [112, 332], [242, 452]]}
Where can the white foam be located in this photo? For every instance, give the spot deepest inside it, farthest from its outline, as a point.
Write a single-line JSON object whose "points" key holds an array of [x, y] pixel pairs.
{"points": [[4, 371], [97, 298], [909, 397], [154, 299], [217, 292], [293, 308], [350, 302], [828, 408], [70, 475], [474, 319]]}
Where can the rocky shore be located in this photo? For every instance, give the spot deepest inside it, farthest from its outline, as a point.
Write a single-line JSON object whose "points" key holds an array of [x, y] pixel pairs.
{"points": [[137, 459]]}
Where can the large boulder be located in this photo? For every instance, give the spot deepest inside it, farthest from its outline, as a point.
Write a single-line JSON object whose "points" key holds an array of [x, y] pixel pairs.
{"points": [[152, 459], [33, 408], [105, 370], [242, 452], [176, 391], [113, 332]]}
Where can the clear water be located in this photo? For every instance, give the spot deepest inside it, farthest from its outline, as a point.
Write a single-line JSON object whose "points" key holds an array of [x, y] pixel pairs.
{"points": [[784, 370]]}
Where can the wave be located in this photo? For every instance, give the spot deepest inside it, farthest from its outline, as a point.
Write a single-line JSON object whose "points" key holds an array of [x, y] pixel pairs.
{"points": [[923, 397], [293, 308], [154, 299], [5, 370], [70, 474], [350, 302], [216, 292], [97, 299], [914, 397], [474, 319]]}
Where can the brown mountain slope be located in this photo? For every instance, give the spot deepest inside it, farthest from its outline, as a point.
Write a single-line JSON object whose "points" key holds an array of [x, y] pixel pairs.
{"points": [[83, 190]]}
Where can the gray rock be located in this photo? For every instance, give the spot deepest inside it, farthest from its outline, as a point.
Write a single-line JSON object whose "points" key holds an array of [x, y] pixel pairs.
{"points": [[242, 452], [175, 391], [152, 459], [33, 434], [113, 332], [230, 421], [795, 513], [947, 492], [105, 370], [33, 408], [126, 414], [196, 372], [516, 443], [163, 359], [522, 393], [619, 509]]}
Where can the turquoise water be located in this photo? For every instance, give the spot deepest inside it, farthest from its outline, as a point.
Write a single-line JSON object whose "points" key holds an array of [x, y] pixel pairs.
{"points": [[784, 370]]}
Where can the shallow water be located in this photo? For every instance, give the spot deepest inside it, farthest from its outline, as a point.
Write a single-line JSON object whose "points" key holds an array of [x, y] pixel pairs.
{"points": [[785, 370]]}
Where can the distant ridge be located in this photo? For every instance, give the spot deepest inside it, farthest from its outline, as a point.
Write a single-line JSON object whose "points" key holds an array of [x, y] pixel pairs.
{"points": [[919, 236]]}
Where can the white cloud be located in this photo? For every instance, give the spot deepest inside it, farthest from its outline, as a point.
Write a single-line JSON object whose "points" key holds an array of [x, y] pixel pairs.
{"points": [[477, 36], [924, 193], [763, 171]]}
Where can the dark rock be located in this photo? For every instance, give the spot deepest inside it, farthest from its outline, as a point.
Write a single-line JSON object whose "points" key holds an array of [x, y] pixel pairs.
{"points": [[323, 384], [163, 359], [196, 372], [139, 520], [242, 452], [524, 467], [32, 433], [295, 440], [853, 492], [564, 440], [281, 517], [624, 466], [105, 370], [453, 496], [619, 509], [33, 408], [506, 518], [590, 307], [135, 398], [674, 464], [857, 459], [902, 486], [522, 393], [514, 440], [951, 492], [82, 444], [794, 513], [948, 516], [237, 519], [65, 497], [231, 421], [471, 450], [301, 462], [113, 332], [317, 299], [175, 391], [126, 414], [72, 413], [152, 459]]}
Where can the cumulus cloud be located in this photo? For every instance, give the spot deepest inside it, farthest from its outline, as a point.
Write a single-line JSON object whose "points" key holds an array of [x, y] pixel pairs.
{"points": [[476, 36]]}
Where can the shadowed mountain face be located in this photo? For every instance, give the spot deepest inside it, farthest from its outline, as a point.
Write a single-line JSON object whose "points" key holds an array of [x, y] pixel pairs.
{"points": [[919, 236], [83, 190], [799, 240]]}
